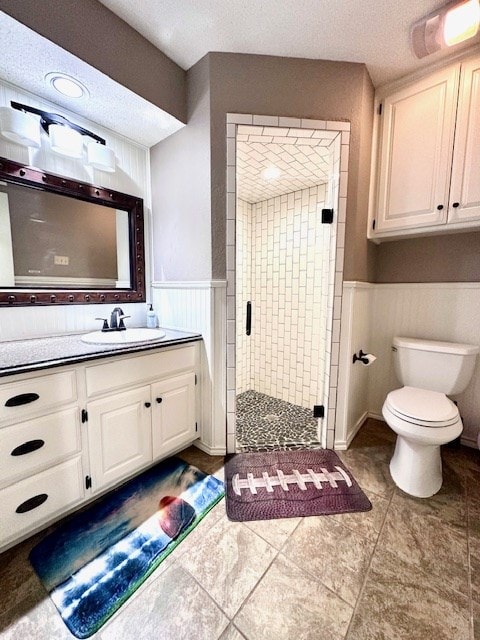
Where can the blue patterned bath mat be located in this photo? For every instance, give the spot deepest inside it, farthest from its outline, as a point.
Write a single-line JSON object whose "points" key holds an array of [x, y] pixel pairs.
{"points": [[94, 561]]}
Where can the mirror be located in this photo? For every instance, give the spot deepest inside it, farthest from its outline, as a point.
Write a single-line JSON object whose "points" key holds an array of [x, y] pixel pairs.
{"points": [[63, 241]]}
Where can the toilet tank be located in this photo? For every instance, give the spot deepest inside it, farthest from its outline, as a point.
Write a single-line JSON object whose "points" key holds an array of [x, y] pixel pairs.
{"points": [[429, 364]]}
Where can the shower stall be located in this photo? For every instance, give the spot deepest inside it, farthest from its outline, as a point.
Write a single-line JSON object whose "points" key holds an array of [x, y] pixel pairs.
{"points": [[287, 188]]}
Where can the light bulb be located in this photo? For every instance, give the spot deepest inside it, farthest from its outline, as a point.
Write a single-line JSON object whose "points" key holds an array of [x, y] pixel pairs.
{"points": [[461, 22], [271, 173]]}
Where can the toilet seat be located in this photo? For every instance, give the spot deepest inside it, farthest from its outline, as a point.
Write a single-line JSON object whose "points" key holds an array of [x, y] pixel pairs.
{"points": [[422, 407]]}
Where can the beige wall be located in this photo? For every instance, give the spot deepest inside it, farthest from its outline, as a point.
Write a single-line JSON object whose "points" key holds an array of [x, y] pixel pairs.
{"points": [[299, 88], [99, 37], [180, 169], [449, 258]]}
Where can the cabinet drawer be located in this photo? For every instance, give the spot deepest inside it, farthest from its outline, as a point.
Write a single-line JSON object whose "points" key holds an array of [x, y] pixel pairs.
{"points": [[36, 395], [39, 498], [27, 447], [116, 374]]}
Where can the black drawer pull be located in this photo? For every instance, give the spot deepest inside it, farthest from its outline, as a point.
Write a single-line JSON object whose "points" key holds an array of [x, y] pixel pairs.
{"points": [[455, 205], [31, 503], [27, 447], [159, 400], [440, 207], [148, 404], [23, 398]]}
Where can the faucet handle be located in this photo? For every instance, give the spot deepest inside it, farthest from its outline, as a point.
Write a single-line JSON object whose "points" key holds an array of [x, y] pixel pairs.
{"points": [[121, 325], [105, 324]]}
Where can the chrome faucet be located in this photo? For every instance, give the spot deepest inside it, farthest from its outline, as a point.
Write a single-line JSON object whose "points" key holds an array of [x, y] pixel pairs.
{"points": [[116, 321]]}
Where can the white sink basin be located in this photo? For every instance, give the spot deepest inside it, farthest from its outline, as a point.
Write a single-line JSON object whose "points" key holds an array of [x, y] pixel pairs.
{"points": [[123, 337]]}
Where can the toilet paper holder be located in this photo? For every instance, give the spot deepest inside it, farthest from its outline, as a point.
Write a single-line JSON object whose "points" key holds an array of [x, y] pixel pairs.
{"points": [[364, 358]]}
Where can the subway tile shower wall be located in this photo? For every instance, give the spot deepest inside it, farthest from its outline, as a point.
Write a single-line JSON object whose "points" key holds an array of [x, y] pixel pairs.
{"points": [[283, 265]]}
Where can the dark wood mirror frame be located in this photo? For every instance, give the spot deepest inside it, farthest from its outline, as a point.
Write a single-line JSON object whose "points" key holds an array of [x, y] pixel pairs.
{"points": [[21, 174]]}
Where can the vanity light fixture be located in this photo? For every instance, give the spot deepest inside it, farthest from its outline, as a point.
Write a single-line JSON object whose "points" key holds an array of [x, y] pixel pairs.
{"points": [[100, 157], [65, 141], [449, 25], [19, 127], [66, 85], [66, 138]]}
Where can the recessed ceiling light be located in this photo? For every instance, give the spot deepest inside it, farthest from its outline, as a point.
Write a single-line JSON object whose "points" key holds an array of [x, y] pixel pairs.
{"points": [[271, 173], [66, 85]]}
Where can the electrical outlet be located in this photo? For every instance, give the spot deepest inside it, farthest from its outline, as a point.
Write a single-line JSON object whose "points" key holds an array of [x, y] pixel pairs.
{"points": [[61, 260]]}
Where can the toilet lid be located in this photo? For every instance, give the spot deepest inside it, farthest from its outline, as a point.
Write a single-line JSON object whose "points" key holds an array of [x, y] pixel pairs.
{"points": [[420, 406]]}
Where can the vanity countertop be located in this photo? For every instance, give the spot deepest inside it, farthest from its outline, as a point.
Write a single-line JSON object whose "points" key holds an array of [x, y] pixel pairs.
{"points": [[24, 356]]}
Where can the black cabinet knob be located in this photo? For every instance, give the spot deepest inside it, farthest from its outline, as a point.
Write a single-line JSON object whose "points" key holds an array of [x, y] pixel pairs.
{"points": [[455, 205], [159, 400], [440, 207], [148, 404]]}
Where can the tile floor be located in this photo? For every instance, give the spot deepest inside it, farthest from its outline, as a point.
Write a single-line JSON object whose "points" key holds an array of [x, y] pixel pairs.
{"points": [[409, 569], [265, 423]]}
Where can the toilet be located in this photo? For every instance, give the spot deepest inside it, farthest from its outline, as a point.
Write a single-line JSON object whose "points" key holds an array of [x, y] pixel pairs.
{"points": [[420, 413]]}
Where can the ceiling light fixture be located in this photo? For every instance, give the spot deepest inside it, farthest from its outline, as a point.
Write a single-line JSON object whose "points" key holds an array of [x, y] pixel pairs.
{"points": [[448, 26], [271, 173], [66, 85]]}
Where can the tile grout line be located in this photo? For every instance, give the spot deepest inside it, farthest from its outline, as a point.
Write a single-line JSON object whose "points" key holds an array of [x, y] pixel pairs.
{"points": [[367, 573], [257, 583], [231, 619]]}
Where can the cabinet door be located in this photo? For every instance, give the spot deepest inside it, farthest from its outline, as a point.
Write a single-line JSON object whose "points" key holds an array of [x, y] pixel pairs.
{"points": [[119, 434], [173, 420], [416, 153], [465, 189]]}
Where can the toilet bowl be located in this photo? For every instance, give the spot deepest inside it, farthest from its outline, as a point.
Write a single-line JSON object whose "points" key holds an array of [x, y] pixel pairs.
{"points": [[423, 420], [420, 413]]}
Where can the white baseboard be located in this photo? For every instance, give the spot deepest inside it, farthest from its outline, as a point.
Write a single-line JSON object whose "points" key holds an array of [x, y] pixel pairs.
{"points": [[469, 442], [212, 451], [375, 416], [342, 445]]}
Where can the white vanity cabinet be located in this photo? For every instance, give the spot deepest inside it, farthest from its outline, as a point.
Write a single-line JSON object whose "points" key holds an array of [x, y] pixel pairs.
{"points": [[41, 463], [70, 433], [428, 160], [173, 414], [128, 429]]}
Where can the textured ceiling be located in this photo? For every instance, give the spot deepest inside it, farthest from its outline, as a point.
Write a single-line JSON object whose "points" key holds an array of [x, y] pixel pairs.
{"points": [[375, 32], [300, 155], [26, 58]]}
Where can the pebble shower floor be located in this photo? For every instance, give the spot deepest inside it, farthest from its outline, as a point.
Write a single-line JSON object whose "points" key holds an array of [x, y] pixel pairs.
{"points": [[268, 424]]}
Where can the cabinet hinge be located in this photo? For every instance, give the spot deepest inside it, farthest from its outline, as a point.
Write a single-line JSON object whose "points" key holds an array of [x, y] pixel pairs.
{"points": [[88, 482], [373, 224], [380, 109], [84, 415]]}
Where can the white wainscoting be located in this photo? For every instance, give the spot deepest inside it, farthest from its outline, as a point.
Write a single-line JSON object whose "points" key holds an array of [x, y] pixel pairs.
{"points": [[435, 311], [353, 380], [201, 307], [22, 323]]}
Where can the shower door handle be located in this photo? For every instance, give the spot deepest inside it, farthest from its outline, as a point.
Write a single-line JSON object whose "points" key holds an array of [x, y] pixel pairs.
{"points": [[248, 324]]}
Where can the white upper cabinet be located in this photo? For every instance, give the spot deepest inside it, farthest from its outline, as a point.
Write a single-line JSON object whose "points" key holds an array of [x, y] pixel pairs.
{"points": [[465, 186], [428, 161]]}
